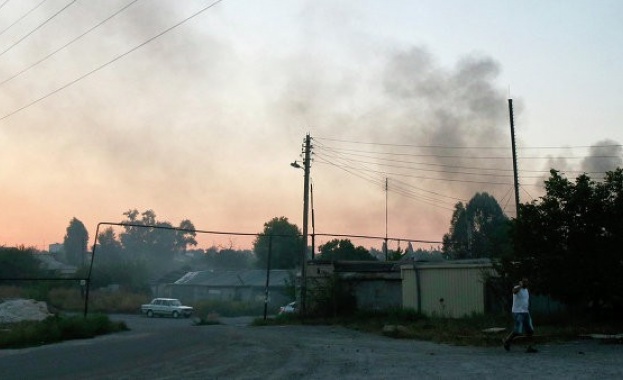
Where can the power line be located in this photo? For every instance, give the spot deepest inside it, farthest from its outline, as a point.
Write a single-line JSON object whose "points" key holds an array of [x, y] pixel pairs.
{"points": [[380, 182], [472, 157], [382, 160], [432, 178], [38, 27], [427, 170], [22, 17], [470, 147], [68, 43], [71, 83], [411, 145], [3, 4], [410, 162], [432, 170], [379, 156]]}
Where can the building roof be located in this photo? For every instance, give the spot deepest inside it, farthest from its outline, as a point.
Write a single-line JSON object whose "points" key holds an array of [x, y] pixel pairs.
{"points": [[463, 263], [239, 278], [359, 266], [50, 263]]}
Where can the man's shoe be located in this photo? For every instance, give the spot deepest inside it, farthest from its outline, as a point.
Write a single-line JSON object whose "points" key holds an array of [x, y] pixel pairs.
{"points": [[507, 345], [531, 350]]}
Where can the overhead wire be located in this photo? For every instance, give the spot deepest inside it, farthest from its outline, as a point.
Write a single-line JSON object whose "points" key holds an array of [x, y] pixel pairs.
{"points": [[3, 4], [373, 162], [22, 17], [117, 58], [380, 183], [37, 28], [381, 159], [361, 171], [68, 43], [443, 171], [468, 147]]}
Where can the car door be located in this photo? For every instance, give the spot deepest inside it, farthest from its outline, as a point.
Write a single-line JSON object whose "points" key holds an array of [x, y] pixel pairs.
{"points": [[158, 307]]}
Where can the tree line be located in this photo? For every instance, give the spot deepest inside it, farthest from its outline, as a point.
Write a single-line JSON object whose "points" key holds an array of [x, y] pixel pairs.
{"points": [[567, 241]]}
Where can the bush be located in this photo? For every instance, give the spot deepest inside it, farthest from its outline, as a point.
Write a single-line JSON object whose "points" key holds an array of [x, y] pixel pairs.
{"points": [[117, 302], [56, 329], [228, 308]]}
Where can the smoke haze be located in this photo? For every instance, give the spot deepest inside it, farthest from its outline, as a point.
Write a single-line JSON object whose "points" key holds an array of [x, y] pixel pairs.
{"points": [[202, 123]]}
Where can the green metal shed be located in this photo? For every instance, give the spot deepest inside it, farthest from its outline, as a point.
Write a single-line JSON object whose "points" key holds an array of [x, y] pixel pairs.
{"points": [[450, 289]]}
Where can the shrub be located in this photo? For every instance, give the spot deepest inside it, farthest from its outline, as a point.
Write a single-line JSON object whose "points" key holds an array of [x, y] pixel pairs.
{"points": [[56, 329], [228, 308]]}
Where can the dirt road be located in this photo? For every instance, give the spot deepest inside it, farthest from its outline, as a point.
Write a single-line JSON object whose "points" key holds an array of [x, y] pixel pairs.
{"points": [[168, 349]]}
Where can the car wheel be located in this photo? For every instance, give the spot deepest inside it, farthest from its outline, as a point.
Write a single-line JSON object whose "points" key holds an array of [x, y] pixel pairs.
{"points": [[150, 313], [176, 314]]}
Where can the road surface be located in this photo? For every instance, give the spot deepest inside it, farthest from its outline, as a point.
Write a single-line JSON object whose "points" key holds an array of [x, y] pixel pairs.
{"points": [[164, 348]]}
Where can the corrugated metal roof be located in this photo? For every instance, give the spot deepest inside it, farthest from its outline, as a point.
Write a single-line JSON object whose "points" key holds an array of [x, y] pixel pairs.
{"points": [[253, 277], [359, 266]]}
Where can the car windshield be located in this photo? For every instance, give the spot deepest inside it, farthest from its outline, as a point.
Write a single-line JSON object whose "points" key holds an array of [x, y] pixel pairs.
{"points": [[176, 303]]}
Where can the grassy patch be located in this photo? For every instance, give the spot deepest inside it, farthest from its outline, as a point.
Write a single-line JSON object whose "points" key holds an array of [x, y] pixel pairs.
{"points": [[470, 331], [56, 329], [99, 301], [210, 319], [228, 308]]}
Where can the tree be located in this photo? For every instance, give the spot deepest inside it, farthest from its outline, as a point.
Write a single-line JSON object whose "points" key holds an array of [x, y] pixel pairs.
{"points": [[75, 242], [109, 249], [569, 242], [228, 258], [19, 263], [153, 241], [287, 244], [344, 249], [478, 229]]}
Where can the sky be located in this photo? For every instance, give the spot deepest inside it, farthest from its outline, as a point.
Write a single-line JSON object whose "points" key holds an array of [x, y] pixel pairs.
{"points": [[196, 109]]}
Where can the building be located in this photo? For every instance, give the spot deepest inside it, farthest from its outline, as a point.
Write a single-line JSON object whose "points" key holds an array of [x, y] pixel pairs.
{"points": [[232, 285], [375, 285]]}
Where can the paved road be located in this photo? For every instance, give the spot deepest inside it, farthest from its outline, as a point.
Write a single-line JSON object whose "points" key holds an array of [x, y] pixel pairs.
{"points": [[162, 348]]}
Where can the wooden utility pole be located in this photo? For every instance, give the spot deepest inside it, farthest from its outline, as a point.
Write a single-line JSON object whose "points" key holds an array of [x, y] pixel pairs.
{"points": [[306, 165]]}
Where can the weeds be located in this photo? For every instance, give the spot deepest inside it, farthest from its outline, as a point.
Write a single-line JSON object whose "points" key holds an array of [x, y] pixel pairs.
{"points": [[475, 330], [56, 329]]}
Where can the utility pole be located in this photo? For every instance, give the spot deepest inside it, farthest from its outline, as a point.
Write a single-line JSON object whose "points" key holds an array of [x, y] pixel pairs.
{"points": [[386, 195], [306, 165], [313, 234], [515, 170]]}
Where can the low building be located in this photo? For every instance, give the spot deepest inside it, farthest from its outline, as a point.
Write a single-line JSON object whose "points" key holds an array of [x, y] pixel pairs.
{"points": [[50, 264], [375, 285], [239, 285]]}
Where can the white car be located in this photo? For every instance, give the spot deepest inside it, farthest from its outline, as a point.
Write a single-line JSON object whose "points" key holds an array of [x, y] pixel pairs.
{"points": [[166, 306], [290, 308]]}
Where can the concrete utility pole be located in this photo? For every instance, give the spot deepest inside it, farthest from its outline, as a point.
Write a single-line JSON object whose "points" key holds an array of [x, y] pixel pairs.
{"points": [[306, 165], [515, 170]]}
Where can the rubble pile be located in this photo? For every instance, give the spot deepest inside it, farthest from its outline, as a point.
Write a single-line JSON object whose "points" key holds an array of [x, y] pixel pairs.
{"points": [[18, 310]]}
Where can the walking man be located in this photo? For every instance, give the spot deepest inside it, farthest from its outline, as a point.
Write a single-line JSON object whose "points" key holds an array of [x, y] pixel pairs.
{"points": [[521, 315]]}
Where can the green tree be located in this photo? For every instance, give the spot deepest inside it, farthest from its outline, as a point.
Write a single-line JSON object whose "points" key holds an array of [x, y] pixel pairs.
{"points": [[153, 241], [569, 242], [343, 249], [75, 242], [19, 263], [228, 258], [109, 249], [478, 229], [287, 244]]}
